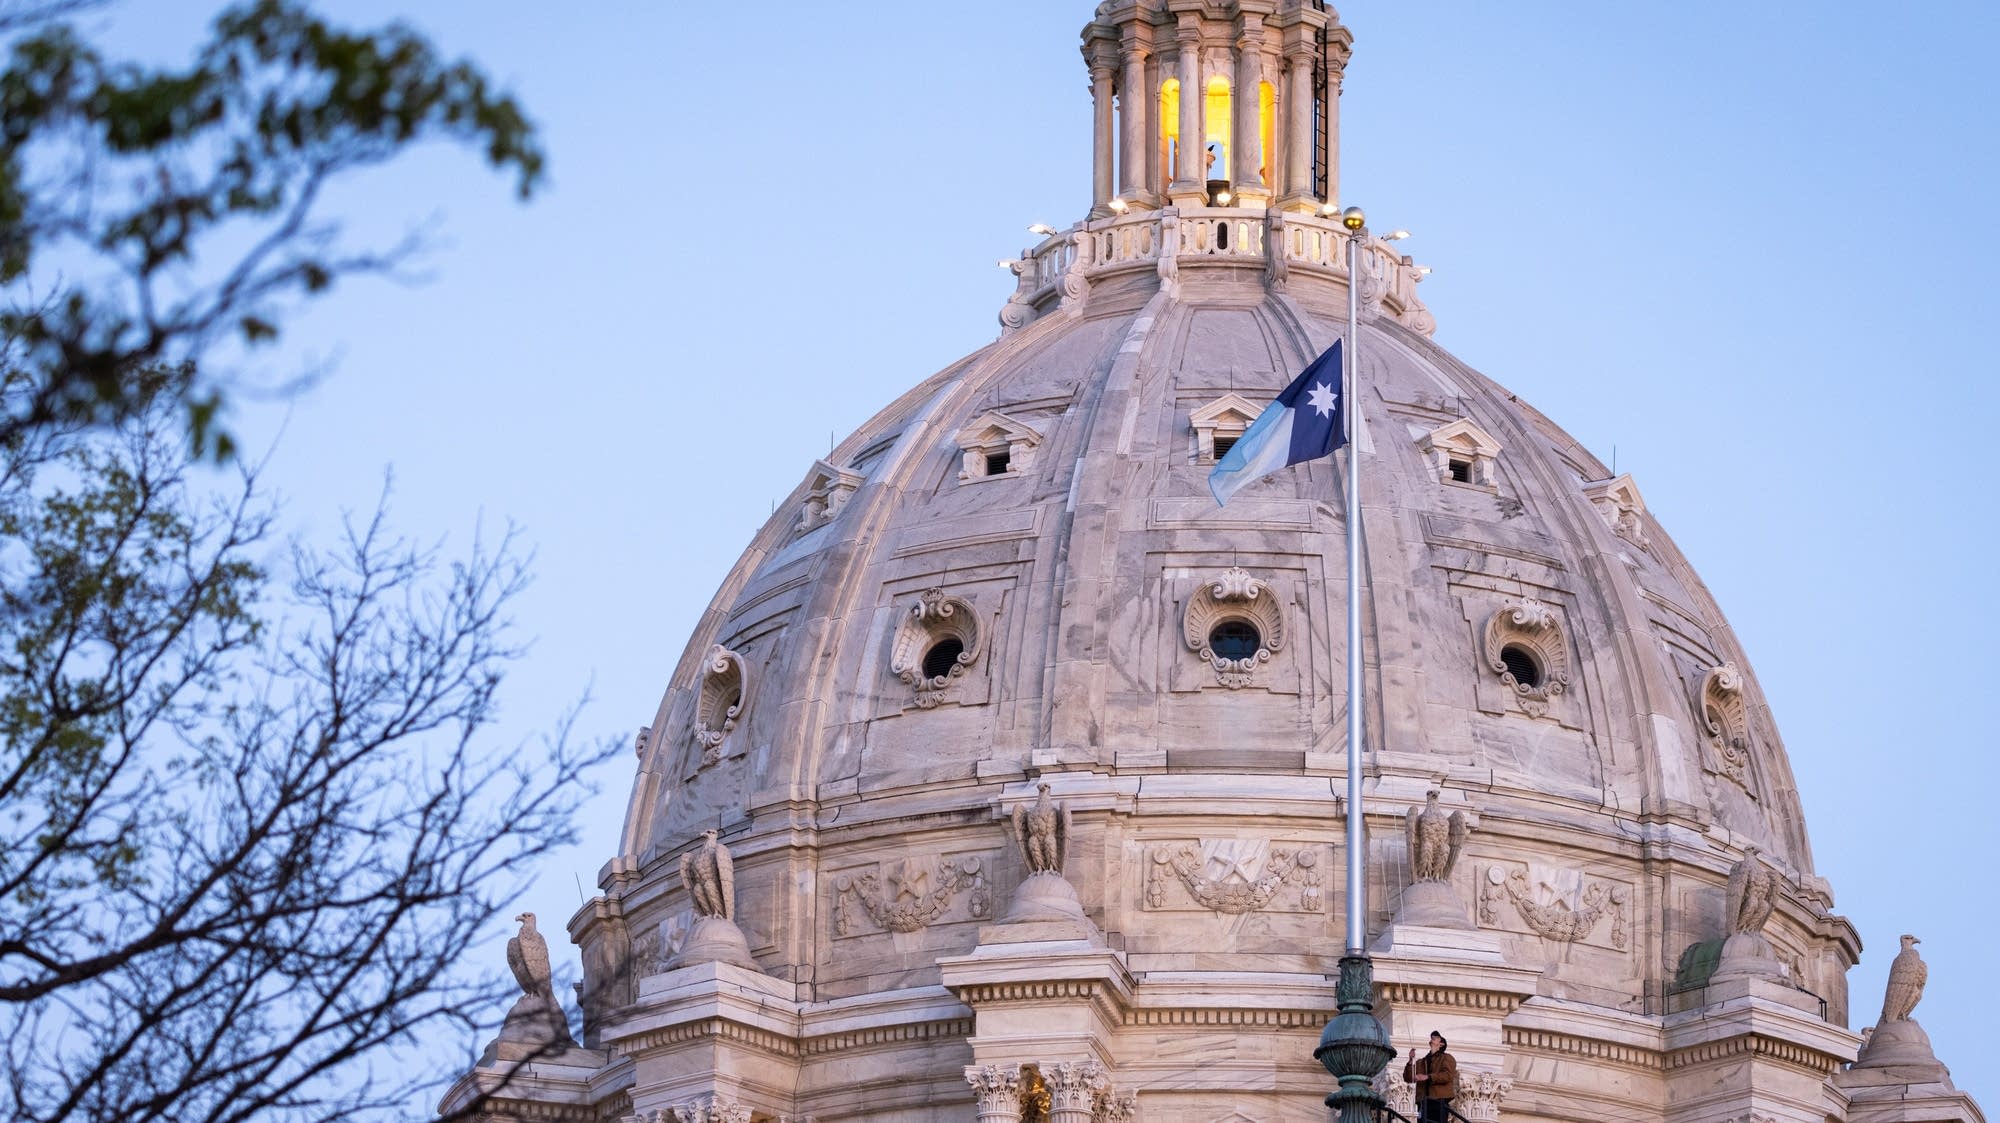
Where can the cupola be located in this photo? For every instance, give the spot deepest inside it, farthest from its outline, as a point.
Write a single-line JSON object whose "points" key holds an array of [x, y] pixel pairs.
{"points": [[1215, 103]]}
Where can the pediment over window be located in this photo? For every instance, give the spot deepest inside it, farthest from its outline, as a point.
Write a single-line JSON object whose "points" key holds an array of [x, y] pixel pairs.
{"points": [[1225, 419], [1620, 505], [1461, 452], [827, 490], [995, 445]]}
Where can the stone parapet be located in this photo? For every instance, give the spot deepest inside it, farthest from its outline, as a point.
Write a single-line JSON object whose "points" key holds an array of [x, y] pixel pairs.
{"points": [[1194, 245]]}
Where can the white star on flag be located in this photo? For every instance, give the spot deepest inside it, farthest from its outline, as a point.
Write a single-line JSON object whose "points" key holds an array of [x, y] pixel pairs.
{"points": [[1321, 399]]}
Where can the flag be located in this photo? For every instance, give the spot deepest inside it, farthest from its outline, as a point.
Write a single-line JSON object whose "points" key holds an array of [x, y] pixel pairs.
{"points": [[1306, 422]]}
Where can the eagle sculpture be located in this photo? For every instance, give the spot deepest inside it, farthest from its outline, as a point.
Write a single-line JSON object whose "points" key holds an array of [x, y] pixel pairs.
{"points": [[1435, 839], [1906, 982], [528, 955], [1043, 832], [1753, 894], [710, 877]]}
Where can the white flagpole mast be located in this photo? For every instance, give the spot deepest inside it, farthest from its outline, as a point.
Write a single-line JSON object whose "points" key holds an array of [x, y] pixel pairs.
{"points": [[1357, 894]]}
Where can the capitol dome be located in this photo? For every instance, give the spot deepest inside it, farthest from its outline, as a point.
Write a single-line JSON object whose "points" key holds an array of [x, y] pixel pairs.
{"points": [[1002, 776]]}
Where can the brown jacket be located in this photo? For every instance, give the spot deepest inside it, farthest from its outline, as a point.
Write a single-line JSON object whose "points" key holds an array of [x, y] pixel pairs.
{"points": [[1443, 1073]]}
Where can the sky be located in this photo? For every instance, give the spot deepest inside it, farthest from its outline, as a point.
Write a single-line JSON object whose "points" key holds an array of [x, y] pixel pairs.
{"points": [[1742, 248]]}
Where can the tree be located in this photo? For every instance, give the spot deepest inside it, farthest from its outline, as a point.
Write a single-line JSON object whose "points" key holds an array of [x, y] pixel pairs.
{"points": [[155, 175], [251, 814], [249, 825]]}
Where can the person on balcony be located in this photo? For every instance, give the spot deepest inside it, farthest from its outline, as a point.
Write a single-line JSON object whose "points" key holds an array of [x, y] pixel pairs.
{"points": [[1435, 1076]]}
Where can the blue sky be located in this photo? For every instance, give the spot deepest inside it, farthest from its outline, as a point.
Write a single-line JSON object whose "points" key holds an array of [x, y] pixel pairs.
{"points": [[1745, 245]]}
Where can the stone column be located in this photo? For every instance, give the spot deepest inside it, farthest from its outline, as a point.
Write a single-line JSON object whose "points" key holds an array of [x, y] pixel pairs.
{"points": [[1101, 74], [1298, 146], [1190, 187], [1135, 106], [1338, 47], [997, 1091], [1073, 1089], [1247, 143]]}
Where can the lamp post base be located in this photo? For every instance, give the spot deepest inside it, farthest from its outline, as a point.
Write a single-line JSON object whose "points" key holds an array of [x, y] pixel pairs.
{"points": [[1354, 1046]]}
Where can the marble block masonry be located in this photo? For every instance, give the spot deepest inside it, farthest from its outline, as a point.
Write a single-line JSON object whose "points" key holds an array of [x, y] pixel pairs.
{"points": [[1001, 779]]}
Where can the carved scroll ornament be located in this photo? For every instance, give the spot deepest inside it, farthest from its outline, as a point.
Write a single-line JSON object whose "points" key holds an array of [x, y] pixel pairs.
{"points": [[1726, 721], [1235, 595], [1534, 626], [935, 617], [719, 704]]}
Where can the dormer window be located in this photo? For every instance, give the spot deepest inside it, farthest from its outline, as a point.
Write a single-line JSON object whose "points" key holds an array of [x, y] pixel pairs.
{"points": [[1619, 504], [827, 491], [996, 445], [1218, 425], [1462, 453]]}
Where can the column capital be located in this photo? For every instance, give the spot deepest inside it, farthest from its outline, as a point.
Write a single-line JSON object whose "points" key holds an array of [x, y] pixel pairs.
{"points": [[996, 1089], [1074, 1088]]}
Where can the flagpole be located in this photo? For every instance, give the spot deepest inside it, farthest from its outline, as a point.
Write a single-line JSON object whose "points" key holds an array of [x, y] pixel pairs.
{"points": [[1357, 893], [1354, 1047]]}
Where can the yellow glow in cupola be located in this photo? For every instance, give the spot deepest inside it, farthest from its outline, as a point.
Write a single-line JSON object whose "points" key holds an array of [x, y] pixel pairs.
{"points": [[1215, 126]]}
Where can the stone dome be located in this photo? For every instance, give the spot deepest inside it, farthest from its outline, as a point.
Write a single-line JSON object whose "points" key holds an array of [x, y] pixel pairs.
{"points": [[1078, 568], [1003, 770]]}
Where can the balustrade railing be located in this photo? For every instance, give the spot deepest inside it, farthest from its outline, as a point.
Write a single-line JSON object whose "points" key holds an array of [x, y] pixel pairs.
{"points": [[1308, 243]]}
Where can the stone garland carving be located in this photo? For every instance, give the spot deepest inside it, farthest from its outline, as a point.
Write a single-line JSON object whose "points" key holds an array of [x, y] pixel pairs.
{"points": [[912, 879], [1233, 897], [1234, 595], [934, 618], [725, 689], [1531, 624], [1492, 894], [1557, 920], [1725, 718]]}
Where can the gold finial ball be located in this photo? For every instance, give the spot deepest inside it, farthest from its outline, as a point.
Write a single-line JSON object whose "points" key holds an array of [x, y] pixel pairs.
{"points": [[1353, 219]]}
